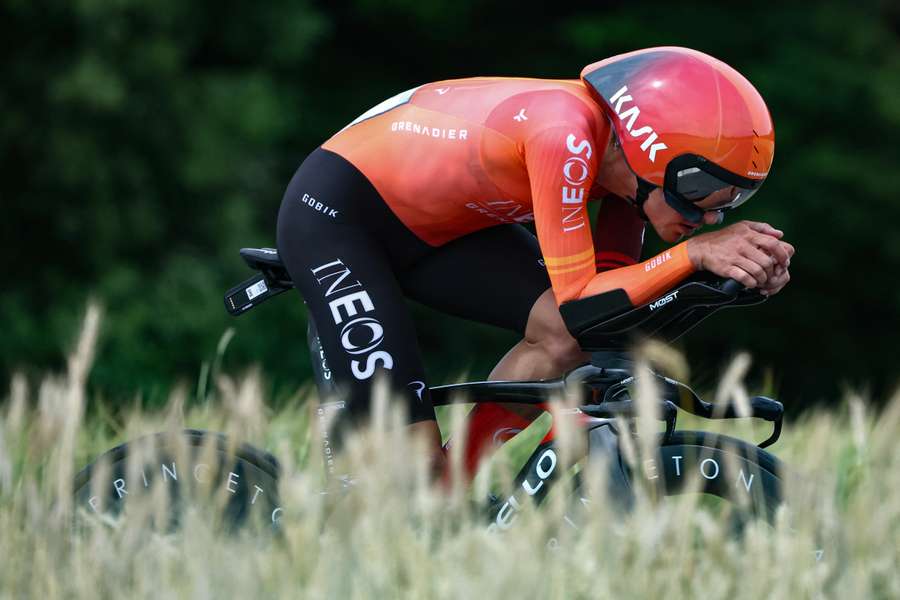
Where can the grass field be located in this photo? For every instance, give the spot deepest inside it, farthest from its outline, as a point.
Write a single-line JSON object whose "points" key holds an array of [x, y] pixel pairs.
{"points": [[397, 537]]}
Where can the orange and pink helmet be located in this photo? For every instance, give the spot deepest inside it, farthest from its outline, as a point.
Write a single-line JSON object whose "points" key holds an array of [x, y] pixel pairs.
{"points": [[687, 123]]}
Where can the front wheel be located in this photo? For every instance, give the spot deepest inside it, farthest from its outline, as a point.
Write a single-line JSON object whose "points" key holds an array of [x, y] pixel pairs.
{"points": [[737, 472]]}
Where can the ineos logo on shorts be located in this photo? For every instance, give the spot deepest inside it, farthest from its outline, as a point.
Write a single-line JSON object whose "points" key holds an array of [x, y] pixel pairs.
{"points": [[360, 336], [576, 172], [375, 334]]}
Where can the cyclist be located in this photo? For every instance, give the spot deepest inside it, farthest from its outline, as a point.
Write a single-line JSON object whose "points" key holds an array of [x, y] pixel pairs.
{"points": [[424, 197]]}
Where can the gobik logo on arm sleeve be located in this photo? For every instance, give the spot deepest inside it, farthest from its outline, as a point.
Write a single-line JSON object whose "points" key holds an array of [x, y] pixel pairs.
{"points": [[360, 335]]}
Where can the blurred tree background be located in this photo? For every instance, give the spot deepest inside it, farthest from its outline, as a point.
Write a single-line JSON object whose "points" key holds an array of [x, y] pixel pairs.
{"points": [[142, 143]]}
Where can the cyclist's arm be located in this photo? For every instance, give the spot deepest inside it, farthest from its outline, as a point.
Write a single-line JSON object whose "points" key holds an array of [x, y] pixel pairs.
{"points": [[562, 162], [559, 195], [647, 280], [618, 234]]}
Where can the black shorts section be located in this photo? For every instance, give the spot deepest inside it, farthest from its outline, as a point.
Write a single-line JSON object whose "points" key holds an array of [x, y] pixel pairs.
{"points": [[354, 263], [491, 276], [342, 245]]}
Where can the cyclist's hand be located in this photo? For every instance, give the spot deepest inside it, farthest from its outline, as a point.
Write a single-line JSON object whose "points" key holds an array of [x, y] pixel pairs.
{"points": [[777, 281], [749, 252]]}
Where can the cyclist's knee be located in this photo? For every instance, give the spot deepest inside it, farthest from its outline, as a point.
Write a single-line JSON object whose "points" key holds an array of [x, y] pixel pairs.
{"points": [[547, 333], [559, 350], [430, 437]]}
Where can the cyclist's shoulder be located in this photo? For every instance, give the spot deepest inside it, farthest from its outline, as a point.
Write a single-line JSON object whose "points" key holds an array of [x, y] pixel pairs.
{"points": [[520, 108], [547, 95]]}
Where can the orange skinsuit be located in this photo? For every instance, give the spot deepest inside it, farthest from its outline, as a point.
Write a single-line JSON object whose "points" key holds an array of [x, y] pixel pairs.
{"points": [[456, 156]]}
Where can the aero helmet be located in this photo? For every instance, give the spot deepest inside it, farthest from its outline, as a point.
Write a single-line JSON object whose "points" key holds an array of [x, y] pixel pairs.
{"points": [[687, 123]]}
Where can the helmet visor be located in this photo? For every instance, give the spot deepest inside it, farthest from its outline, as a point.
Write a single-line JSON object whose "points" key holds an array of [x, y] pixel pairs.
{"points": [[698, 181], [708, 191]]}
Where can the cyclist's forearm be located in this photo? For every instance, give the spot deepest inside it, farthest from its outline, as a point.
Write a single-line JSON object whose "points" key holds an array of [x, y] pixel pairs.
{"points": [[647, 280]]}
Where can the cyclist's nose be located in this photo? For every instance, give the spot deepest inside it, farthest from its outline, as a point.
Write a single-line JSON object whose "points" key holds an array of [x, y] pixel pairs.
{"points": [[713, 217]]}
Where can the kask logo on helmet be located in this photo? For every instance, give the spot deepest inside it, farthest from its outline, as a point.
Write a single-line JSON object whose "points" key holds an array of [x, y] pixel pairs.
{"points": [[617, 101]]}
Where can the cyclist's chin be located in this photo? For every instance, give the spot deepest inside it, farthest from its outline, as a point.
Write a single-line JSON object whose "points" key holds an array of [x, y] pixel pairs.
{"points": [[675, 231], [671, 232]]}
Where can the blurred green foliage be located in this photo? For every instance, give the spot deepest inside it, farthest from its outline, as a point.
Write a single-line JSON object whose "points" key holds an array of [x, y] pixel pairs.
{"points": [[142, 143]]}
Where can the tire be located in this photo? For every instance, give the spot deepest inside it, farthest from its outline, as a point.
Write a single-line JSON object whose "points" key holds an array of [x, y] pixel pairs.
{"points": [[193, 466], [731, 469], [740, 473]]}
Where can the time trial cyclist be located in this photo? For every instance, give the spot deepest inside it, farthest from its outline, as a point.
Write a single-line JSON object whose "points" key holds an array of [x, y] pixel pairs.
{"points": [[424, 197]]}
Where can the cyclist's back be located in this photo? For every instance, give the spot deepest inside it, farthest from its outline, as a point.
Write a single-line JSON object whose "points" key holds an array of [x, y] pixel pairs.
{"points": [[450, 157]]}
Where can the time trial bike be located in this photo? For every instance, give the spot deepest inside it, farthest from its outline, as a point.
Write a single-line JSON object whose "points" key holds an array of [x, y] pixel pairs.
{"points": [[739, 472]]}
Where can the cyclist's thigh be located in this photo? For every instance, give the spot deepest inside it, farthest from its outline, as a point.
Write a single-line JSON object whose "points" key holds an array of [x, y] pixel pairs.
{"points": [[491, 276], [341, 270]]}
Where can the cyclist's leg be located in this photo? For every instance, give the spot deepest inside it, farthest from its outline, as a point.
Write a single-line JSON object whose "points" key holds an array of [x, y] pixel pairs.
{"points": [[547, 348], [497, 276], [330, 232]]}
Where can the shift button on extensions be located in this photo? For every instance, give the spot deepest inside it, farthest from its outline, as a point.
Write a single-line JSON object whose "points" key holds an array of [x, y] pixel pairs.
{"points": [[318, 206]]}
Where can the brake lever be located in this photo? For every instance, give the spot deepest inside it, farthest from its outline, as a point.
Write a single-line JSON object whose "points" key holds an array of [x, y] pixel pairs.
{"points": [[771, 410], [761, 407]]}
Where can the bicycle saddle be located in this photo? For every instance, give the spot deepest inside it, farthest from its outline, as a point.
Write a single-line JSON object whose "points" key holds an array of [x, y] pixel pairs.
{"points": [[261, 258]]}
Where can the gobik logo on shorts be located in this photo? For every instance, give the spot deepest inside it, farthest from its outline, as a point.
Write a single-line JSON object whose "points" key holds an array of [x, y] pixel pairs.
{"points": [[319, 206], [360, 335]]}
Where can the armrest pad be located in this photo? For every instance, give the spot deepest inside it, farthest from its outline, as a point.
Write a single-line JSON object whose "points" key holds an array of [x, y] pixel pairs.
{"points": [[578, 315]]}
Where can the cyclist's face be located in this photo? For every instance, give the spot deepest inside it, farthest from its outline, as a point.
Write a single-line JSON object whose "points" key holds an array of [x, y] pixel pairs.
{"points": [[617, 177], [668, 222]]}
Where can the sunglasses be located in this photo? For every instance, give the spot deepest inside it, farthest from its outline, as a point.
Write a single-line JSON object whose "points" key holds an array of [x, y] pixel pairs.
{"points": [[691, 179]]}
